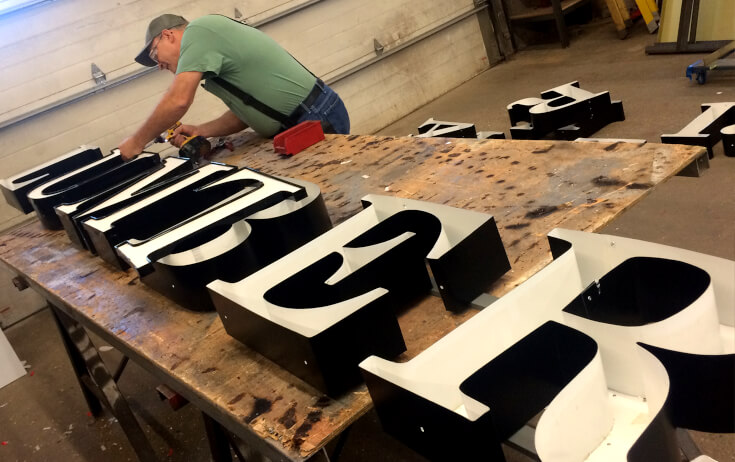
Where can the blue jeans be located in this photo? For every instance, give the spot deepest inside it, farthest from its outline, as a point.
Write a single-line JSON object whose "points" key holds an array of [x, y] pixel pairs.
{"points": [[330, 110]]}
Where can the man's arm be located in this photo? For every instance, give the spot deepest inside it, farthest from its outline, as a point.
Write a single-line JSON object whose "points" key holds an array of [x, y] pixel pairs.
{"points": [[169, 110], [226, 124]]}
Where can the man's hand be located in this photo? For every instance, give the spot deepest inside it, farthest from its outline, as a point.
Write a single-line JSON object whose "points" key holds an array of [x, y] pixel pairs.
{"points": [[130, 148], [183, 132]]}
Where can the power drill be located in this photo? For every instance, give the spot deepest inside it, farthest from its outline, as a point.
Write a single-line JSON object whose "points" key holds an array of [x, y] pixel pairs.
{"points": [[194, 147]]}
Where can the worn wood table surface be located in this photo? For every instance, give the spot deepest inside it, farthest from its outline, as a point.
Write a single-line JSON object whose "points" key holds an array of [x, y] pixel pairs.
{"points": [[530, 187]]}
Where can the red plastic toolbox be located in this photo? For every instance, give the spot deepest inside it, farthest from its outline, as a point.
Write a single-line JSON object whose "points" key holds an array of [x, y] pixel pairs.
{"points": [[298, 138]]}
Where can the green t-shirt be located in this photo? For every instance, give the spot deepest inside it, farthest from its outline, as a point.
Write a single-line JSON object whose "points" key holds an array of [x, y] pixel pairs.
{"points": [[247, 58]]}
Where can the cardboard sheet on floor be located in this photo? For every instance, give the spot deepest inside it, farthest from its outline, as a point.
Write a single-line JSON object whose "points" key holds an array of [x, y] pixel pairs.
{"points": [[10, 366]]}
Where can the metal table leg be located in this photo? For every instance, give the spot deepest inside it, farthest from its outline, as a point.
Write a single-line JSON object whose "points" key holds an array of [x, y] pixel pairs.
{"points": [[561, 26], [219, 442], [98, 386]]}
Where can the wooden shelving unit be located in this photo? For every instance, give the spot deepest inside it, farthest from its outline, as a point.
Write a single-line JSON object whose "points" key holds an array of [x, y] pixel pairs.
{"points": [[555, 11]]}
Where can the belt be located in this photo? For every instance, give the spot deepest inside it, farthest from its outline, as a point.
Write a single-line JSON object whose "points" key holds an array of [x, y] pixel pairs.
{"points": [[310, 99]]}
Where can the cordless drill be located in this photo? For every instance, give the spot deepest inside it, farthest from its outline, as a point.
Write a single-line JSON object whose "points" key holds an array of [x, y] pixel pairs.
{"points": [[194, 147]]}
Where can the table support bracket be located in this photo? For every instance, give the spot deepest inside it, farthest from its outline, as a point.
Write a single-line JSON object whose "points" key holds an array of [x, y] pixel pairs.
{"points": [[97, 384]]}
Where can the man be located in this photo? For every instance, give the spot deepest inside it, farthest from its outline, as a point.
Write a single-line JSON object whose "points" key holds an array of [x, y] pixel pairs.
{"points": [[263, 86]]}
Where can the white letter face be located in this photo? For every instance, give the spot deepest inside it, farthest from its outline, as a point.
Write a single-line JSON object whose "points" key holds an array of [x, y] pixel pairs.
{"points": [[714, 123], [234, 226], [662, 318], [333, 301], [88, 181], [118, 197], [16, 188]]}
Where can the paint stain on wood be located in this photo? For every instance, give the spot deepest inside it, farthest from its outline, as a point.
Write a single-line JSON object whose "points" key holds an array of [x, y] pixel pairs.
{"points": [[236, 398], [303, 430], [179, 362], [518, 226], [260, 406], [639, 186], [542, 211], [288, 419], [88, 274], [138, 309], [605, 181]]}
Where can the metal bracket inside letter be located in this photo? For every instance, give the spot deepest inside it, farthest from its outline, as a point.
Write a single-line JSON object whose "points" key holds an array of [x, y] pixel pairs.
{"points": [[566, 112]]}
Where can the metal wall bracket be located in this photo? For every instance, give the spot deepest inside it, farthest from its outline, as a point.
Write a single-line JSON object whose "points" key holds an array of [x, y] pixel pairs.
{"points": [[98, 76], [378, 47]]}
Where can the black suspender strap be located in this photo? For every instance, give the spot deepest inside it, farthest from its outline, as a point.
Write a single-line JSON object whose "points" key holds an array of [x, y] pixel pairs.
{"points": [[249, 100], [254, 103]]}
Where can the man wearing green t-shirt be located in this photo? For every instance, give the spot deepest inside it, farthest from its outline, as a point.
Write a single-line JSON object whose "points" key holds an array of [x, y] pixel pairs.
{"points": [[263, 86]]}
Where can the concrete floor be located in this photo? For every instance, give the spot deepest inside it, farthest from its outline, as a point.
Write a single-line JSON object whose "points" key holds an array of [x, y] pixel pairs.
{"points": [[43, 415]]}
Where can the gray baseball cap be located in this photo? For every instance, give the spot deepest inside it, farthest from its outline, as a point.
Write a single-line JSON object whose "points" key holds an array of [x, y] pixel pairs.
{"points": [[158, 25]]}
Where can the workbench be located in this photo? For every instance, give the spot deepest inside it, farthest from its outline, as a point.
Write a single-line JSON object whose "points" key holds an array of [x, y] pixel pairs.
{"points": [[530, 187]]}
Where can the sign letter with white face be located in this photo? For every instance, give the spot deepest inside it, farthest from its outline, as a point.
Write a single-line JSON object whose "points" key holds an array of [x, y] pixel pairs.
{"points": [[660, 320], [332, 302], [565, 112], [16, 188], [72, 215], [707, 128], [88, 181], [154, 213], [236, 225]]}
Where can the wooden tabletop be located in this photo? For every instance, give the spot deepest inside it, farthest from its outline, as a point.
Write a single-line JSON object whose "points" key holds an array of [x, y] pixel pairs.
{"points": [[530, 187]]}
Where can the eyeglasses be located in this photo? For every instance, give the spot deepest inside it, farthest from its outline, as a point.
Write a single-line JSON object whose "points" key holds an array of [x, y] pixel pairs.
{"points": [[153, 54]]}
